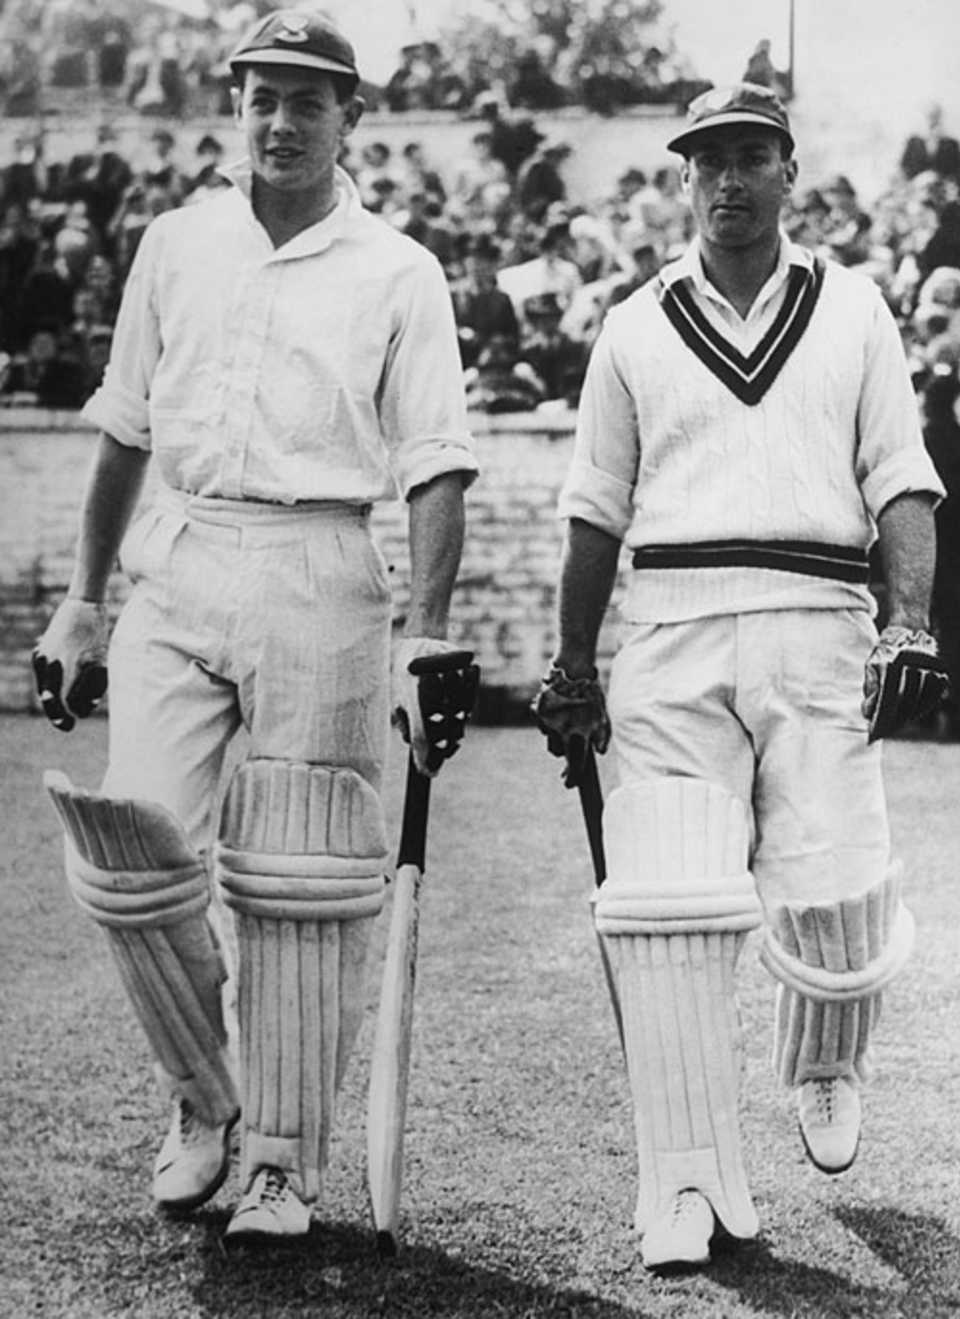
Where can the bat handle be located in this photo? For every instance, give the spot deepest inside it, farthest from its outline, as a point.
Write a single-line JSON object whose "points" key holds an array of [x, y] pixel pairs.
{"points": [[591, 803], [413, 827]]}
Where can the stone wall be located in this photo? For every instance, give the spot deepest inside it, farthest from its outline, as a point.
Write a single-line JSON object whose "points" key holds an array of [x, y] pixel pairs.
{"points": [[504, 602]]}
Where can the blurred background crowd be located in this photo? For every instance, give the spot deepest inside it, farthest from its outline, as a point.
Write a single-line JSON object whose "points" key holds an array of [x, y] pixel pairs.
{"points": [[532, 269]]}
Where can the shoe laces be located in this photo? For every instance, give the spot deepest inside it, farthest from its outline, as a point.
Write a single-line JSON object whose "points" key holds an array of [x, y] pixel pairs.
{"points": [[826, 1096], [685, 1205], [274, 1189], [190, 1123]]}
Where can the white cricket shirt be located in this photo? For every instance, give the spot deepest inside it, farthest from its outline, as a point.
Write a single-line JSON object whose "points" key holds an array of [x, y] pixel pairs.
{"points": [[325, 369]]}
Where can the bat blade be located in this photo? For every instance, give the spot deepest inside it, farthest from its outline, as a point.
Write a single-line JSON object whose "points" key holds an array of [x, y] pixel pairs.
{"points": [[390, 1062], [591, 803]]}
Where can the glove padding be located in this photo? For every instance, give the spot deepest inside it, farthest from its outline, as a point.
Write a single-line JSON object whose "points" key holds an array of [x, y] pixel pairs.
{"points": [[572, 713], [435, 688], [70, 662], [905, 679]]}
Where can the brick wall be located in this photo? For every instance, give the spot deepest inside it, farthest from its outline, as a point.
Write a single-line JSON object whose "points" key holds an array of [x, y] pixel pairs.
{"points": [[505, 597]]}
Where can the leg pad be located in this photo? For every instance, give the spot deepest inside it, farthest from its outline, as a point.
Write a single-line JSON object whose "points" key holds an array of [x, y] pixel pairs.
{"points": [[301, 860], [832, 961], [131, 868], [675, 911]]}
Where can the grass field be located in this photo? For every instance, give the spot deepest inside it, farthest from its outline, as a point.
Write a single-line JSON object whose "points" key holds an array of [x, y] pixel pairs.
{"points": [[520, 1164]]}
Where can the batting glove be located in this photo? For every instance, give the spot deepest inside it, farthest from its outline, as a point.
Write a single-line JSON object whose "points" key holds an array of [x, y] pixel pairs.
{"points": [[70, 662], [904, 680], [572, 714], [434, 690]]}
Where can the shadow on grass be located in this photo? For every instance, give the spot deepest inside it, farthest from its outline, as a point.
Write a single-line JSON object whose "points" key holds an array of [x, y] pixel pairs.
{"points": [[919, 1247], [336, 1271]]}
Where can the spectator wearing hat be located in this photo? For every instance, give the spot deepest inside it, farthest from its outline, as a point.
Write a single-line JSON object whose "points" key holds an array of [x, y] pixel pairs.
{"points": [[551, 271], [416, 175], [480, 191], [643, 257], [749, 430], [290, 360], [99, 178], [376, 178], [208, 178], [513, 138], [933, 149], [937, 310], [423, 220], [160, 170], [481, 307], [540, 182], [848, 225], [558, 360]]}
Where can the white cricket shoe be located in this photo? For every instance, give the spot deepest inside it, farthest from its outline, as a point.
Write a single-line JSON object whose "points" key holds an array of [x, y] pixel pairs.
{"points": [[270, 1210], [828, 1111], [193, 1162], [681, 1235]]}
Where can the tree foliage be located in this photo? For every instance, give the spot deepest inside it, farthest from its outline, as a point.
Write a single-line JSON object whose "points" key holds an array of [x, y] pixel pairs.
{"points": [[598, 52]]}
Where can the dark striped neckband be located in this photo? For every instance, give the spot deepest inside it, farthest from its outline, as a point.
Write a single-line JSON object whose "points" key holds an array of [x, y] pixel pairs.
{"points": [[749, 377]]}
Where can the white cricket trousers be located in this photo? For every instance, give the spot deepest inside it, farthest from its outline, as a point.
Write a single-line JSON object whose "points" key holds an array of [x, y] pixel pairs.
{"points": [[261, 617], [768, 706]]}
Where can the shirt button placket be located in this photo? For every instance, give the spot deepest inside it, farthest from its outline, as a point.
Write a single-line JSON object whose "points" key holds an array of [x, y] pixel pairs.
{"points": [[253, 315]]}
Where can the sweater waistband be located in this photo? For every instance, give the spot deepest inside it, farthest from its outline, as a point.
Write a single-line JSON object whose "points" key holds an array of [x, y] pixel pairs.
{"points": [[842, 563]]}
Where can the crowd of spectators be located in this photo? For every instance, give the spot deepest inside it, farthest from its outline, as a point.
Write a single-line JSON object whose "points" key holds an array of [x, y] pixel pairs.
{"points": [[68, 234], [532, 270], [171, 59]]}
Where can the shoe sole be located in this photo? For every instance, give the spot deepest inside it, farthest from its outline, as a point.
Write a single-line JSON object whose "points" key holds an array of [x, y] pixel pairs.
{"points": [[261, 1240], [831, 1171], [676, 1265], [179, 1208]]}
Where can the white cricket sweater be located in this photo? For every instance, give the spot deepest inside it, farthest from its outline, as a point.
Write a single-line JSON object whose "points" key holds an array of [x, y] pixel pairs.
{"points": [[667, 454]]}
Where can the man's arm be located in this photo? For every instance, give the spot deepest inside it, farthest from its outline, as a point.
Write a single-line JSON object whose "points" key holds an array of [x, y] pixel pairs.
{"points": [[436, 531], [570, 709], [904, 678], [907, 542], [587, 576], [113, 489], [69, 660]]}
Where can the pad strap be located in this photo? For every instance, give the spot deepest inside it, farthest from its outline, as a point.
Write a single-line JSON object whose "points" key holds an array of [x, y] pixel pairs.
{"points": [[825, 986]]}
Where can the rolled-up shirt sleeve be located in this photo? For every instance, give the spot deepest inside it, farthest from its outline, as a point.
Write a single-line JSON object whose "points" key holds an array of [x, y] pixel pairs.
{"points": [[599, 487], [892, 458], [422, 405], [121, 404]]}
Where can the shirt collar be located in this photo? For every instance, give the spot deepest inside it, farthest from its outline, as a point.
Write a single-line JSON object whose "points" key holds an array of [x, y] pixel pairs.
{"points": [[316, 237], [690, 266]]}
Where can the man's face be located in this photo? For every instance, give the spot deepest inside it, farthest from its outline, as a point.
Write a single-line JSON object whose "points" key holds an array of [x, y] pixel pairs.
{"points": [[738, 181], [294, 125]]}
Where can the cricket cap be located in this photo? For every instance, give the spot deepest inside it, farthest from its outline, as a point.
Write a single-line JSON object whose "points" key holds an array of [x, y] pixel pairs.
{"points": [[301, 37], [744, 103]]}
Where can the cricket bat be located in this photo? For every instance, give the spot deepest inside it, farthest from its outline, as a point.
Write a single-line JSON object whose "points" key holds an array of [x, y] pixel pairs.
{"points": [[591, 804], [390, 1063]]}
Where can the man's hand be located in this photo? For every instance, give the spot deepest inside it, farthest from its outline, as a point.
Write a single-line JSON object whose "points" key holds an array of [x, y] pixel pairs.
{"points": [[70, 662], [431, 709], [904, 679], [572, 713]]}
